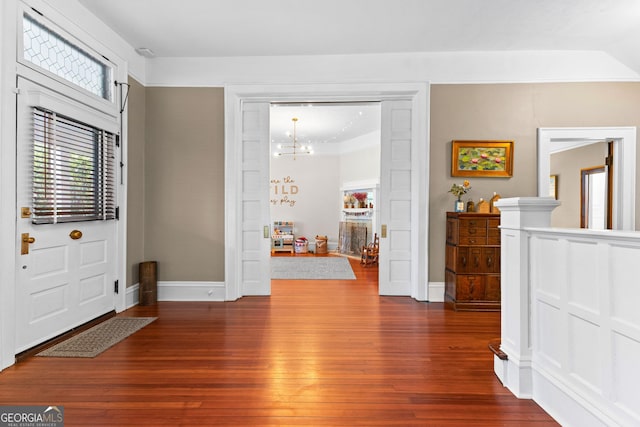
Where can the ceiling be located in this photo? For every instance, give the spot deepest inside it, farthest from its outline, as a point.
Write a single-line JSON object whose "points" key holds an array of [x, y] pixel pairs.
{"points": [[226, 28], [218, 28], [324, 126]]}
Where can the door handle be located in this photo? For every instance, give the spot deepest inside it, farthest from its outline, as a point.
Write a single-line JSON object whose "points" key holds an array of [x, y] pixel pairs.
{"points": [[75, 234], [26, 240]]}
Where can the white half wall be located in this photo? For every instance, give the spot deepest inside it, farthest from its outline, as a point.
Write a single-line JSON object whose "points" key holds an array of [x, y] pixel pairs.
{"points": [[570, 324]]}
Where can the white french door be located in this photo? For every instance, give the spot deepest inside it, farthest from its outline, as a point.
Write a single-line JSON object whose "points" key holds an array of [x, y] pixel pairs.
{"points": [[65, 272]]}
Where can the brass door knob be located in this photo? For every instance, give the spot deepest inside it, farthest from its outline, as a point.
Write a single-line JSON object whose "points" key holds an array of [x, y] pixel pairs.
{"points": [[75, 234], [26, 240]]}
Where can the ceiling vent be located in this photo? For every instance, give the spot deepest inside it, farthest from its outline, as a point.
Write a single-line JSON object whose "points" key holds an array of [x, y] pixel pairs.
{"points": [[145, 51]]}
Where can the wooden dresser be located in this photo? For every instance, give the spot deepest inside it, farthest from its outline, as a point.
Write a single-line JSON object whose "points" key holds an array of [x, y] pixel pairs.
{"points": [[472, 262]]}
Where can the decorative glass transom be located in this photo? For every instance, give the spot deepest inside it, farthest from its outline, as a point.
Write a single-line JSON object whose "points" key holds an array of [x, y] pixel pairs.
{"points": [[50, 51]]}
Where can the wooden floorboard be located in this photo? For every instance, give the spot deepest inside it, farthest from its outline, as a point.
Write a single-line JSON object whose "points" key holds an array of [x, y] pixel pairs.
{"points": [[314, 353]]}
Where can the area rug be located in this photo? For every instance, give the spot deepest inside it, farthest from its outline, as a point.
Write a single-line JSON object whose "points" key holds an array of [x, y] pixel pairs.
{"points": [[97, 339], [310, 268]]}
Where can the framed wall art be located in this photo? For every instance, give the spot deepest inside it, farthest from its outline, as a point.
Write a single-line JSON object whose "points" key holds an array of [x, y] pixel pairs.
{"points": [[482, 158]]}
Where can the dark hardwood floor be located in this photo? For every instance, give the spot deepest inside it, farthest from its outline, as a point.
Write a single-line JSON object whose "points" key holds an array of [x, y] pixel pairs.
{"points": [[315, 353]]}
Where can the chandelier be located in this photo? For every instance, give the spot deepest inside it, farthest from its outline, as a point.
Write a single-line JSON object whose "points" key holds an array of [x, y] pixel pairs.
{"points": [[294, 149]]}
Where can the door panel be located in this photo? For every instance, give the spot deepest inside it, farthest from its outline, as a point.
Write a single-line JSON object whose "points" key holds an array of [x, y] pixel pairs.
{"points": [[595, 201], [396, 205], [254, 211], [61, 282]]}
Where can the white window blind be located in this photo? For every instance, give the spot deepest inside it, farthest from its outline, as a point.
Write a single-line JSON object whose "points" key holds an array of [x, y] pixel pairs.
{"points": [[73, 170]]}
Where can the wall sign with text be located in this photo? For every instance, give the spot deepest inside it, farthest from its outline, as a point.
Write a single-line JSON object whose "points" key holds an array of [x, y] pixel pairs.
{"points": [[283, 192]]}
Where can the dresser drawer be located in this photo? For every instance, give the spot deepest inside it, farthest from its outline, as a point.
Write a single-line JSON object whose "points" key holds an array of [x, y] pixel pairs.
{"points": [[470, 287], [491, 260], [472, 232], [493, 232], [473, 223], [492, 288], [472, 260], [473, 240], [473, 227]]}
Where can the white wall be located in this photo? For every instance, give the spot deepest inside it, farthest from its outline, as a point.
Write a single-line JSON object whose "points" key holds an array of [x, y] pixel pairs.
{"points": [[312, 196], [362, 163], [310, 199]]}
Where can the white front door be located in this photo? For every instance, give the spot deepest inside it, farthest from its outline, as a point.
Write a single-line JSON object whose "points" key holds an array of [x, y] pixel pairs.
{"points": [[66, 278]]}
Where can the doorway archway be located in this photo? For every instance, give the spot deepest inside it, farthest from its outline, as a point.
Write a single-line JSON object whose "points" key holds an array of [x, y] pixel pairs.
{"points": [[624, 167], [404, 181]]}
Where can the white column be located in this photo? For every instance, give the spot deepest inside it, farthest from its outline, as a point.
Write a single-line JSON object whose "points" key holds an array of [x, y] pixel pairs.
{"points": [[516, 214]]}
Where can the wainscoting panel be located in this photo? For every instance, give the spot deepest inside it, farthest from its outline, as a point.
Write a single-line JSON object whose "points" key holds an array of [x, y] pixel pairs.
{"points": [[586, 323], [582, 289]]}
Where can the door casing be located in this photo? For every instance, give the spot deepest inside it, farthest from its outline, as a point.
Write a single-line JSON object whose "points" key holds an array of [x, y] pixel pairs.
{"points": [[624, 165], [416, 93]]}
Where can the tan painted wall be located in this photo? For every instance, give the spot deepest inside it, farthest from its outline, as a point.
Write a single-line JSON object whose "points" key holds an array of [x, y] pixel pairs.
{"points": [[184, 176], [135, 179], [184, 183], [512, 111]]}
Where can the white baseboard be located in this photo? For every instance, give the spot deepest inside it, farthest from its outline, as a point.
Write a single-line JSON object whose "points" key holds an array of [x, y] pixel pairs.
{"points": [[215, 291], [191, 291], [516, 373], [570, 408], [133, 296], [500, 368], [180, 291], [436, 291]]}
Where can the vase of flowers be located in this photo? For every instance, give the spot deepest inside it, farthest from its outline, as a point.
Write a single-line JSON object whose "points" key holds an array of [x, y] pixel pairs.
{"points": [[458, 190], [361, 198]]}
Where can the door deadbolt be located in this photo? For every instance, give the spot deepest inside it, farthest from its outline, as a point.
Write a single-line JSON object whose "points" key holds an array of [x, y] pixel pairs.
{"points": [[26, 241]]}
